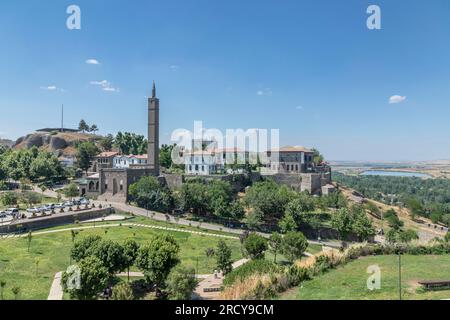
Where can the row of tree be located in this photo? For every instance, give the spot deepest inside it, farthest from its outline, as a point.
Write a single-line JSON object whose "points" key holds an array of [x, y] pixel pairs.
{"points": [[33, 164], [202, 198], [84, 127], [99, 260]]}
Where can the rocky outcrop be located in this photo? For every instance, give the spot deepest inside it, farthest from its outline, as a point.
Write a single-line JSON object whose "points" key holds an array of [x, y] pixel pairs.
{"points": [[62, 143]]}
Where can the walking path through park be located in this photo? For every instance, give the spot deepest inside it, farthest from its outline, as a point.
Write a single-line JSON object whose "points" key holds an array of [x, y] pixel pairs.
{"points": [[56, 291], [210, 287], [120, 225]]}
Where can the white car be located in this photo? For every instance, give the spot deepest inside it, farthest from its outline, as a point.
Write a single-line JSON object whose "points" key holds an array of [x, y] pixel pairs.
{"points": [[12, 211], [68, 204], [3, 215], [33, 210]]}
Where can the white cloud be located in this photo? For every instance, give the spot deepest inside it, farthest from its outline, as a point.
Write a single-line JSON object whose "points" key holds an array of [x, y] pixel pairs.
{"points": [[397, 99], [52, 88], [103, 83], [106, 86], [264, 92], [111, 89], [92, 61]]}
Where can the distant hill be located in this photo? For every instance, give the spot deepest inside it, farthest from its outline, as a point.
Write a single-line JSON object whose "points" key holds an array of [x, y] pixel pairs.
{"points": [[61, 143], [6, 142]]}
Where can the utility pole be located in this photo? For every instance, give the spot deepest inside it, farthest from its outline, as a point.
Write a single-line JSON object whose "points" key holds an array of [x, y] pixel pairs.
{"points": [[62, 118], [400, 275]]}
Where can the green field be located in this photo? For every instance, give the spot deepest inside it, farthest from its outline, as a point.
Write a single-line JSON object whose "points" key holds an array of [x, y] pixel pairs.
{"points": [[349, 282], [18, 267]]}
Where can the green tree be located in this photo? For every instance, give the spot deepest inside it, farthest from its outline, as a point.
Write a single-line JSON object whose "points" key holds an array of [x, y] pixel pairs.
{"points": [[165, 156], [408, 236], [392, 236], [255, 246], [93, 279], [122, 292], [317, 157], [275, 244], [9, 199], [362, 225], [181, 283], [223, 258], [106, 143], [219, 196], [131, 143], [287, 223], [86, 151], [192, 196], [294, 245], [150, 194], [157, 258], [236, 210], [93, 128], [342, 221], [447, 237], [130, 251], [415, 207], [111, 254], [85, 247], [83, 126], [393, 220], [269, 198], [71, 191], [46, 167]]}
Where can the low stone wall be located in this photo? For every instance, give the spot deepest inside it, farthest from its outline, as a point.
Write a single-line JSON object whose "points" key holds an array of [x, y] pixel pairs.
{"points": [[55, 220]]}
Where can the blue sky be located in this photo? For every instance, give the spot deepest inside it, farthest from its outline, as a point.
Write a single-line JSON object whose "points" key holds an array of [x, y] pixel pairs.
{"points": [[309, 68]]}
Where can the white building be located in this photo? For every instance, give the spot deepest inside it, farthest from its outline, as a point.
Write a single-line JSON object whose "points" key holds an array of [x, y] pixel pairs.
{"points": [[123, 162], [212, 162]]}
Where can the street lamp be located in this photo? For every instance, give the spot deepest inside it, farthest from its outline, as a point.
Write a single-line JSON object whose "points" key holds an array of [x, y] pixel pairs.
{"points": [[399, 253]]}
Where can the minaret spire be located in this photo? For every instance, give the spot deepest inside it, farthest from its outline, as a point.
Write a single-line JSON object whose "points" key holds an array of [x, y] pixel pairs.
{"points": [[154, 90]]}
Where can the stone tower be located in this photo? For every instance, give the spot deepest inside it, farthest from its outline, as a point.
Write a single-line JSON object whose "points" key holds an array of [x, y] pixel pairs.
{"points": [[153, 132]]}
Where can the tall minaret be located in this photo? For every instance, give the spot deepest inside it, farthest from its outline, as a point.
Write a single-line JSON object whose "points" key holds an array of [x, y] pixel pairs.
{"points": [[153, 132]]}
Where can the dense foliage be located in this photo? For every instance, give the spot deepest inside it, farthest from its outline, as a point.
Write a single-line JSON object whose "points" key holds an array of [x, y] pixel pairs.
{"points": [[424, 197], [32, 164]]}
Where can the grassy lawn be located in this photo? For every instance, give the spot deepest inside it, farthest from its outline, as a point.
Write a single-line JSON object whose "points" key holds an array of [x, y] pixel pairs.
{"points": [[349, 282], [18, 267]]}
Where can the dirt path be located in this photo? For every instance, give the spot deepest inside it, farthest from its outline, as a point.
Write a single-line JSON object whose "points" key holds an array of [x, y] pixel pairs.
{"points": [[210, 287]]}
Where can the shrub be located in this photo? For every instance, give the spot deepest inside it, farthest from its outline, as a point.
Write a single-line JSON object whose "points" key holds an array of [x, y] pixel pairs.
{"points": [[253, 267], [254, 246]]}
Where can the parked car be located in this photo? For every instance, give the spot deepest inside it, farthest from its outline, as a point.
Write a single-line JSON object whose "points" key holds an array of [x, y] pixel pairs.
{"points": [[33, 210], [68, 204], [3, 215], [84, 201], [59, 205], [50, 206], [12, 211]]}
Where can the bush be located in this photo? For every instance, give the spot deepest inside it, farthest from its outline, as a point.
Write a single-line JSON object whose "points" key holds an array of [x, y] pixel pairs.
{"points": [[259, 266], [254, 246], [294, 245], [122, 291], [181, 283]]}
